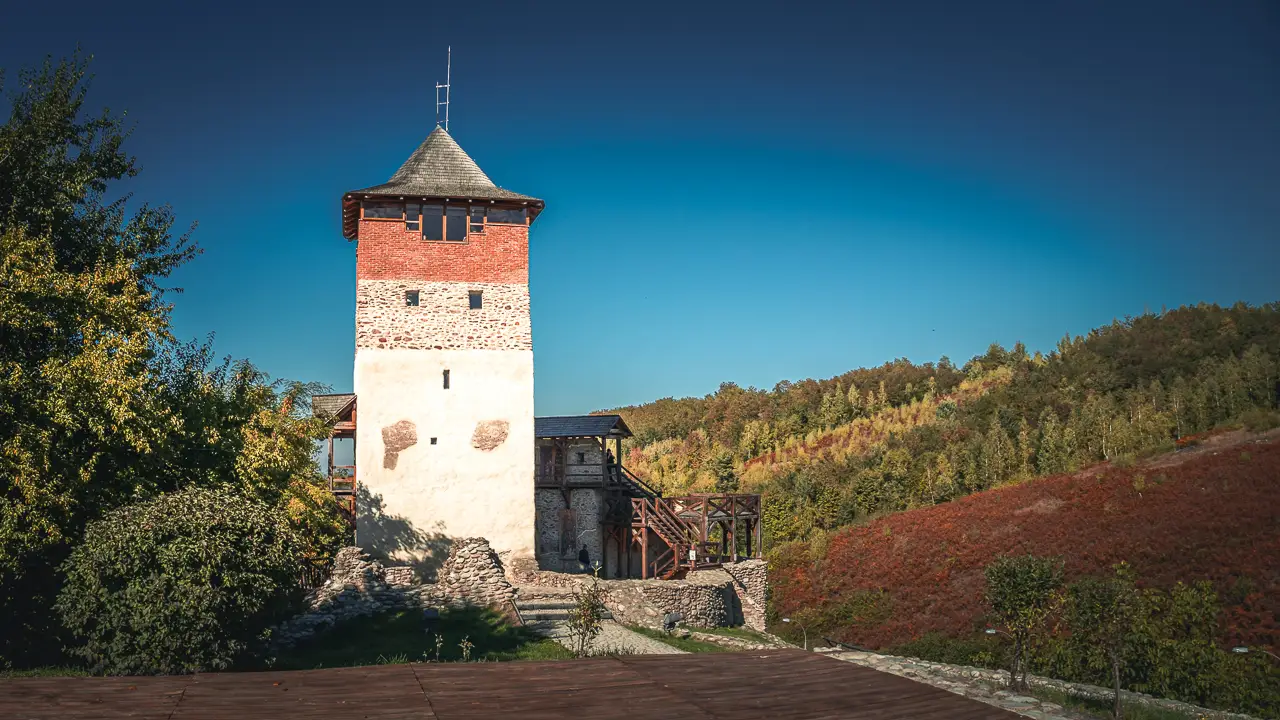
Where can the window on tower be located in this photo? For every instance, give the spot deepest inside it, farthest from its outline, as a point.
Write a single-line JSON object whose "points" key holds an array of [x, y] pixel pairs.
{"points": [[432, 222], [411, 298], [508, 216], [475, 299], [455, 223], [412, 216], [446, 379], [382, 210], [477, 219]]}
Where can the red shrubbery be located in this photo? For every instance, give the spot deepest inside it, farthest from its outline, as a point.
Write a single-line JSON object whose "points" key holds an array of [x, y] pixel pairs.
{"points": [[1214, 516]]}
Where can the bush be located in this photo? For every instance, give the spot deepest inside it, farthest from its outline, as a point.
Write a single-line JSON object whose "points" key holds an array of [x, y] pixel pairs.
{"points": [[1022, 592], [1258, 420], [189, 581]]}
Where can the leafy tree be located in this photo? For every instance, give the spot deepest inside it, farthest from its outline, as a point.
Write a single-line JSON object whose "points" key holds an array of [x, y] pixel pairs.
{"points": [[99, 406], [998, 460], [1022, 591], [188, 582], [726, 478], [1101, 613]]}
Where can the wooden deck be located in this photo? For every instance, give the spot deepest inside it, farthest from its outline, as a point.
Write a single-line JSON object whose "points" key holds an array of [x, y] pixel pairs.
{"points": [[772, 684]]}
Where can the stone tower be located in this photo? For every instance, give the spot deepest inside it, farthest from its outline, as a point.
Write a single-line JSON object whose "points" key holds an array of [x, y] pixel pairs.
{"points": [[444, 359]]}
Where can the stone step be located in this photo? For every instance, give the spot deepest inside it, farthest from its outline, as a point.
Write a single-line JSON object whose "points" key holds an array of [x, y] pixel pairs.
{"points": [[545, 605]]}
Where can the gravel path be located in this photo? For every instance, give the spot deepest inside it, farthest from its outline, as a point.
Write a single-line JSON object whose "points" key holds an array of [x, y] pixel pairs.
{"points": [[614, 637], [546, 610]]}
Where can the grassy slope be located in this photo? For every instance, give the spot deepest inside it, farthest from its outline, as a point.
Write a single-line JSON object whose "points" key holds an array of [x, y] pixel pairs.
{"points": [[403, 637], [1209, 513]]}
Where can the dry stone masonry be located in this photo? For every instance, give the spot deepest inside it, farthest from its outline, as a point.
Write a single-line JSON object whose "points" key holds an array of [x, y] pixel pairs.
{"points": [[443, 318], [360, 586], [473, 572]]}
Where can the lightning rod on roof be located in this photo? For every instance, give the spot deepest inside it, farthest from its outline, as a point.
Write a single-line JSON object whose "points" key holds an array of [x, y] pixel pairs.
{"points": [[447, 73]]}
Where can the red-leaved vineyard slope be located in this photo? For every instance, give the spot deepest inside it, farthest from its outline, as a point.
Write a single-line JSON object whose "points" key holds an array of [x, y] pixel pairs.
{"points": [[1211, 513]]}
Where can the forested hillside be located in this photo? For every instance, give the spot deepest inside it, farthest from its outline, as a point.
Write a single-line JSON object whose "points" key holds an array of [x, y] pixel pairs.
{"points": [[828, 453]]}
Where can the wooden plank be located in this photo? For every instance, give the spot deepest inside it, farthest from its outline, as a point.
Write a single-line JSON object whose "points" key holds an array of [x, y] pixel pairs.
{"points": [[742, 686], [384, 692], [91, 697]]}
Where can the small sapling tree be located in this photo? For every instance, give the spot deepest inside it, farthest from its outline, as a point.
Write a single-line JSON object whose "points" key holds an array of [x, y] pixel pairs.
{"points": [[1022, 591], [1101, 612], [586, 619]]}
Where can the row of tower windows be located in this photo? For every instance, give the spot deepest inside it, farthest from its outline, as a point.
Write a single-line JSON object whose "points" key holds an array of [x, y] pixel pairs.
{"points": [[475, 299], [450, 223]]}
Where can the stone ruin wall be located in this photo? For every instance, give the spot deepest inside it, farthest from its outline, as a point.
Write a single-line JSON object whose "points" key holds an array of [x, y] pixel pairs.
{"points": [[735, 594], [360, 586]]}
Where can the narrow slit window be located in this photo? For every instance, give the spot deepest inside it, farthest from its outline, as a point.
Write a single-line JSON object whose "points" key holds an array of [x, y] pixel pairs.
{"points": [[411, 298], [412, 216], [475, 299], [446, 379]]}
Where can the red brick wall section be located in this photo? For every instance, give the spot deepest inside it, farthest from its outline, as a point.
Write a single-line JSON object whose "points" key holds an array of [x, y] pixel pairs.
{"points": [[386, 251]]}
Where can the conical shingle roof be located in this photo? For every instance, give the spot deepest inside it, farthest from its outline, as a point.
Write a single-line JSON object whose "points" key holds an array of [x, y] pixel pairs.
{"points": [[439, 168]]}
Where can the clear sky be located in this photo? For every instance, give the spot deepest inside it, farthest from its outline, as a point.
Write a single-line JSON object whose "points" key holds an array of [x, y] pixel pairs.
{"points": [[747, 192]]}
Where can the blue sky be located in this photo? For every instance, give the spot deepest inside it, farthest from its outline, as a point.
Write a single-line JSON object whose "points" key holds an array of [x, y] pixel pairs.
{"points": [[744, 192]]}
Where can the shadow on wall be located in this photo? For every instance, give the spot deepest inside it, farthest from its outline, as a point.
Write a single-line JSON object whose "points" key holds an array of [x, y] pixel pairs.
{"points": [[393, 539]]}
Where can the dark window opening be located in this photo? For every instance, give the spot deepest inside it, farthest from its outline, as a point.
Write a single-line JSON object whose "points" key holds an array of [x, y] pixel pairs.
{"points": [[411, 298], [412, 213], [383, 210], [477, 219], [476, 301], [433, 441], [432, 222], [507, 216], [446, 379], [582, 458], [455, 224]]}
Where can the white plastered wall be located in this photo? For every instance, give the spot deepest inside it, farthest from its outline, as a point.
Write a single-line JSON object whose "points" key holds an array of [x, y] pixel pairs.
{"points": [[451, 489]]}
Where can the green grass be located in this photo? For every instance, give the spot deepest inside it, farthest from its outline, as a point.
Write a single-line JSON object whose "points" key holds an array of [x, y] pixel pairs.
{"points": [[44, 672], [739, 633], [1102, 708], [403, 636], [679, 643]]}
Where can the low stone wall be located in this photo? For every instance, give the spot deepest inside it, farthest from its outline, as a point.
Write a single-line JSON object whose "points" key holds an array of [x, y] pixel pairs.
{"points": [[359, 586], [751, 586], [732, 595], [473, 572]]}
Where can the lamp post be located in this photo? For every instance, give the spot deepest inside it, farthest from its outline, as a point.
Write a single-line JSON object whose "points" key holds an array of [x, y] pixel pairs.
{"points": [[802, 629], [1241, 649]]}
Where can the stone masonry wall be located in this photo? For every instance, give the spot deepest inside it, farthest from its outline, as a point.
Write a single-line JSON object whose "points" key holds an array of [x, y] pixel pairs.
{"points": [[474, 573], [443, 318], [555, 552], [386, 251], [751, 586], [359, 586], [704, 599]]}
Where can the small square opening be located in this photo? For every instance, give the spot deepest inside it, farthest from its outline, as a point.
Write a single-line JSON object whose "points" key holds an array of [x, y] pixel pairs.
{"points": [[475, 299], [411, 298], [433, 441], [582, 458]]}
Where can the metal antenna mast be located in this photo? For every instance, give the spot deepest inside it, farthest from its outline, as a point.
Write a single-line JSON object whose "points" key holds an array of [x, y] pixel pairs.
{"points": [[447, 75]]}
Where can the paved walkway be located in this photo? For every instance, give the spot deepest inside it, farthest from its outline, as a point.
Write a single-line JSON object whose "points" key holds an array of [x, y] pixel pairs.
{"points": [[989, 686], [546, 610]]}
